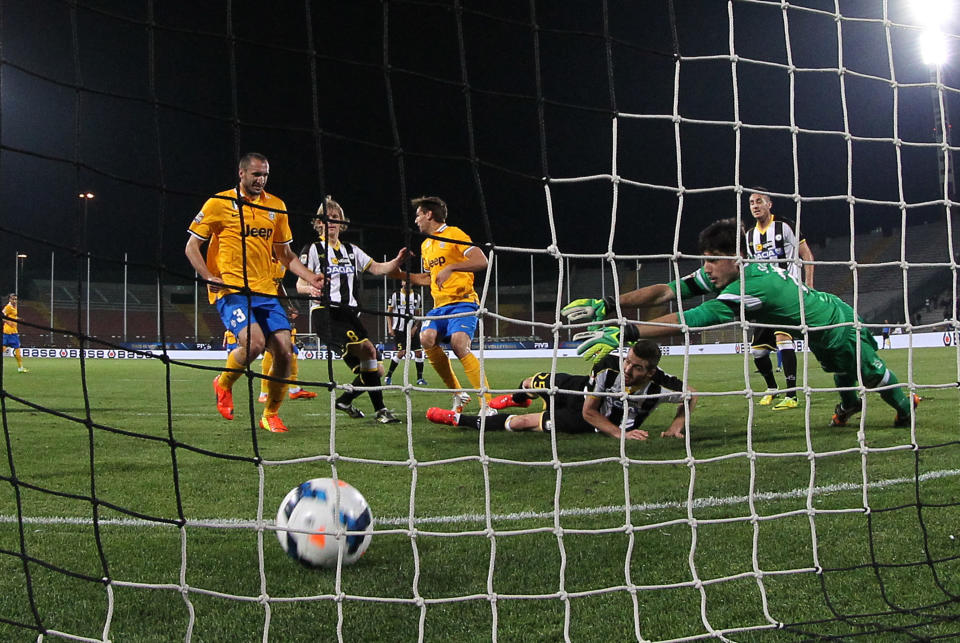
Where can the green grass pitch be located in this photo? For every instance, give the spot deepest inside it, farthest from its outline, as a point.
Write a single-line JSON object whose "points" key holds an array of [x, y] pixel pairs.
{"points": [[529, 536]]}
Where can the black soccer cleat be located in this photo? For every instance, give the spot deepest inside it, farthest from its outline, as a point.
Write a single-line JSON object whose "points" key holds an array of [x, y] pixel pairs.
{"points": [[841, 415], [350, 410]]}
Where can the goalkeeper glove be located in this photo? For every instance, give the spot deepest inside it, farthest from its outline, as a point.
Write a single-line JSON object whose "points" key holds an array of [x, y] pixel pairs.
{"points": [[597, 344], [587, 310]]}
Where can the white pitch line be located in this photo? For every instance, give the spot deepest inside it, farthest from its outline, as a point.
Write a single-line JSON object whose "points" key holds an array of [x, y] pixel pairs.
{"points": [[402, 521]]}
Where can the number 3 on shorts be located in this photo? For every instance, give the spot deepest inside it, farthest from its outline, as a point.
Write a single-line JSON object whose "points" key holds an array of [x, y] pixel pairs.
{"points": [[239, 316]]}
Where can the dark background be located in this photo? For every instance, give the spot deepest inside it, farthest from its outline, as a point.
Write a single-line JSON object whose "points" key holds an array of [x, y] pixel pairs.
{"points": [[148, 104]]}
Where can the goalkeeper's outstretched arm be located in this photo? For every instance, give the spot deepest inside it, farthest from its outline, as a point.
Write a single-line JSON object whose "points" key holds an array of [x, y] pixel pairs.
{"points": [[654, 295], [587, 310]]}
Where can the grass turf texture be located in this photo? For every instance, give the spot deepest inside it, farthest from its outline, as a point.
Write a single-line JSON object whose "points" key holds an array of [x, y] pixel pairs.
{"points": [[558, 548]]}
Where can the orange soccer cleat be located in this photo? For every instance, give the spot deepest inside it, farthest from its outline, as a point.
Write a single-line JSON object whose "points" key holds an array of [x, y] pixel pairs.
{"points": [[506, 401], [302, 395], [224, 399], [442, 416], [273, 423]]}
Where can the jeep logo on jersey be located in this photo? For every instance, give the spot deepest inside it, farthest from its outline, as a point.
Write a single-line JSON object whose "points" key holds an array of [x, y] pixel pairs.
{"points": [[266, 233], [439, 261]]}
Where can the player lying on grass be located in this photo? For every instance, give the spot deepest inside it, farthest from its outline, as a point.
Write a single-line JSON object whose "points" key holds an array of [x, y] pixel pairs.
{"points": [[770, 296], [601, 409]]}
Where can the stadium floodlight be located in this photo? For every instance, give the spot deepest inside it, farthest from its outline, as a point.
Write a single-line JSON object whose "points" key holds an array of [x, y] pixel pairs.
{"points": [[933, 47], [931, 14]]}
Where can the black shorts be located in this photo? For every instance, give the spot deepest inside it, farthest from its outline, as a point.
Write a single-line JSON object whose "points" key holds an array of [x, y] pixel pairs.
{"points": [[338, 327], [568, 408], [765, 338], [401, 336]]}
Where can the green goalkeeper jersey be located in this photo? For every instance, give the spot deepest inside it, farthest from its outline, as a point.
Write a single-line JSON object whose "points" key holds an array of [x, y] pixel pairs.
{"points": [[771, 296]]}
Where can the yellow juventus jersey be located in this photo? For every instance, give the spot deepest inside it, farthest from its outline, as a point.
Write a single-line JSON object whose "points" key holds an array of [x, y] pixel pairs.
{"points": [[213, 248], [229, 337], [436, 254], [258, 230], [10, 325]]}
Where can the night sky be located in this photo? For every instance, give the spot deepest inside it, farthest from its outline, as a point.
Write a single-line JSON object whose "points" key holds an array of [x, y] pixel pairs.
{"points": [[148, 104]]}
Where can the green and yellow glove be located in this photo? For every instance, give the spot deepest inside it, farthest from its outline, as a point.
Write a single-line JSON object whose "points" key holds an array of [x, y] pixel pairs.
{"points": [[597, 344], [588, 310]]}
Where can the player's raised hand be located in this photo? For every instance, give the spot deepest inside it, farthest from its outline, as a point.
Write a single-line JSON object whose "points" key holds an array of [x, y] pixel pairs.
{"points": [[597, 344], [585, 310]]}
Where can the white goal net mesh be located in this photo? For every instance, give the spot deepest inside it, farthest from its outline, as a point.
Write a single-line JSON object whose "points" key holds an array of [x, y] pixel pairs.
{"points": [[583, 148]]}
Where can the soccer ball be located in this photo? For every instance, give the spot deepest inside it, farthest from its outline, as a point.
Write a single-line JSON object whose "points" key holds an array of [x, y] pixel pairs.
{"points": [[324, 507]]}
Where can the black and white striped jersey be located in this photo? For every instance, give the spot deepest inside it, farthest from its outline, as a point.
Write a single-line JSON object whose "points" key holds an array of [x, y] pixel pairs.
{"points": [[607, 377], [776, 241], [403, 306], [342, 264]]}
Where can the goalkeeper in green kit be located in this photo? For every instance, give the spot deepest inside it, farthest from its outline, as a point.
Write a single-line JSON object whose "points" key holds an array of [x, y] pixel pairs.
{"points": [[769, 296]]}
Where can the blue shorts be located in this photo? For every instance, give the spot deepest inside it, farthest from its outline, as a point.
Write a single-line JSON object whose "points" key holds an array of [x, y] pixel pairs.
{"points": [[447, 327], [12, 340], [236, 310], [232, 347]]}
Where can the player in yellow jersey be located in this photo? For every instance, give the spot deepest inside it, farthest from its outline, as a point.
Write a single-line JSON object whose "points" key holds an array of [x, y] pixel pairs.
{"points": [[229, 340], [250, 227], [11, 336], [449, 262]]}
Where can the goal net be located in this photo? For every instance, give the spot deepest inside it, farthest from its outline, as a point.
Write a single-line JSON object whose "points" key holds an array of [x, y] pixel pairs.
{"points": [[583, 147]]}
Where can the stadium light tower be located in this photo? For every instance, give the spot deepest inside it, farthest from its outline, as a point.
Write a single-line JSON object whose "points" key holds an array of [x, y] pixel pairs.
{"points": [[86, 198], [17, 272], [931, 14]]}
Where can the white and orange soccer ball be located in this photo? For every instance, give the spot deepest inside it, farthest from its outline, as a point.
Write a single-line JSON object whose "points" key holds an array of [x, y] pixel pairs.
{"points": [[319, 514]]}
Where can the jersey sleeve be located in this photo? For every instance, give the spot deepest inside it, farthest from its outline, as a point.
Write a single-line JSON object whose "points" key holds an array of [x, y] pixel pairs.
{"points": [[726, 307], [600, 374], [362, 258], [207, 221], [312, 261], [789, 236], [464, 244], [282, 235], [695, 284], [670, 383], [305, 254], [715, 311]]}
